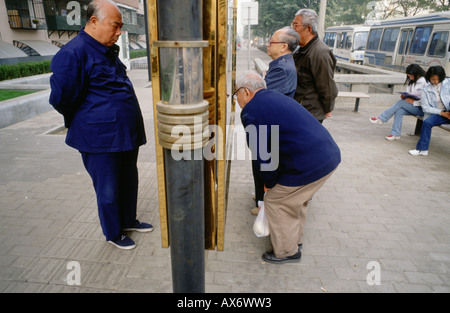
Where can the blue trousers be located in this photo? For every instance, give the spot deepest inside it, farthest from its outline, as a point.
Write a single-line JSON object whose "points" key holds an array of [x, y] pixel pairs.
{"points": [[115, 179], [425, 132], [398, 110]]}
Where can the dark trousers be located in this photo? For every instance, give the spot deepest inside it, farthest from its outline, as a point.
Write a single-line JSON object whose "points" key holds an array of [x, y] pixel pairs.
{"points": [[259, 184], [115, 179]]}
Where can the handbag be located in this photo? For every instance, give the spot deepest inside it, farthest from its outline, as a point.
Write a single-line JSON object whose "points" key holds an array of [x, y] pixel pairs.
{"points": [[261, 224]]}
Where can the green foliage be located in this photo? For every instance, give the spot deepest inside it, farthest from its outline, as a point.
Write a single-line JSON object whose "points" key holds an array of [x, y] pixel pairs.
{"points": [[275, 14], [138, 53], [24, 69]]}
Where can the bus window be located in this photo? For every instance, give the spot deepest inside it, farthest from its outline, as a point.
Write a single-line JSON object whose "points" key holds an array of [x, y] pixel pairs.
{"points": [[420, 40], [389, 39], [341, 41], [401, 46], [331, 38], [374, 39], [360, 40], [438, 44], [348, 43]]}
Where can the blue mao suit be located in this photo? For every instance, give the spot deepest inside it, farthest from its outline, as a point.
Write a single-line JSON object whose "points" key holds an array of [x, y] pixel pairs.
{"points": [[282, 75], [90, 88]]}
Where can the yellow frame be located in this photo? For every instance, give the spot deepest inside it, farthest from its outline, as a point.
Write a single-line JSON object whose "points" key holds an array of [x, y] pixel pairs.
{"points": [[215, 91]]}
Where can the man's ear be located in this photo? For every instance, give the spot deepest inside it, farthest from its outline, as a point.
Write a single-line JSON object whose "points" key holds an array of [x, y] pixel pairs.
{"points": [[93, 21]]}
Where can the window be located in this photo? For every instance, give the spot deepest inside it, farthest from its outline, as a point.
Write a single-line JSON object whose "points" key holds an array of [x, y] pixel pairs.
{"points": [[389, 39], [27, 14], [438, 45], [420, 40], [360, 40], [348, 43], [329, 39], [342, 40], [374, 39], [405, 41]]}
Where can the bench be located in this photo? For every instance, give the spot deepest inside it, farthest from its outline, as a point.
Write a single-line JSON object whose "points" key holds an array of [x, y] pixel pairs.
{"points": [[356, 95], [420, 122], [262, 68]]}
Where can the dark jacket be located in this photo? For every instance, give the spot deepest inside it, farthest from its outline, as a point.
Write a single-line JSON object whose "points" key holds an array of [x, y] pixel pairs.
{"points": [[91, 89], [301, 150], [316, 89], [282, 75]]}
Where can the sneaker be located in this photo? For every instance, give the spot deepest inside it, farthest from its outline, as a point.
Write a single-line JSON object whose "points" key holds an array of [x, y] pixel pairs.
{"points": [[375, 120], [124, 243], [140, 227], [255, 211], [418, 152], [392, 137]]}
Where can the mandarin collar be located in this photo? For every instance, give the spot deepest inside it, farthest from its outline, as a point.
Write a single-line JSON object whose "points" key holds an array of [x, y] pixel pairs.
{"points": [[283, 57], [96, 44]]}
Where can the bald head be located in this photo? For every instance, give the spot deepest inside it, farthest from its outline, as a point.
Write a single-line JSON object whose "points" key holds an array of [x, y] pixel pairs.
{"points": [[104, 21]]}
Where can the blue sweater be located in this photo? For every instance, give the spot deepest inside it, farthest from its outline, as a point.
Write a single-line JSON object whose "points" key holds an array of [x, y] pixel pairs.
{"points": [[306, 151]]}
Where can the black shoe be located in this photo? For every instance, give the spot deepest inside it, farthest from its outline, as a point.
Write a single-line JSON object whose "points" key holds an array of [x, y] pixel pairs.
{"points": [[269, 257]]}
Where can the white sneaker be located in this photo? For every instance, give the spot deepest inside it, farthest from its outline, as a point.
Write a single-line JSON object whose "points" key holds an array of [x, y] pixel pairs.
{"points": [[392, 137], [375, 120], [418, 152]]}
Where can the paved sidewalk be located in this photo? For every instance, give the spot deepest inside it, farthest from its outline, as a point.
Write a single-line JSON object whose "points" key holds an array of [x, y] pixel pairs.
{"points": [[381, 205]]}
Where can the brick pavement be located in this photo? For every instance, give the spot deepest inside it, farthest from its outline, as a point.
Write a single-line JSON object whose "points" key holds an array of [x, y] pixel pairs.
{"points": [[381, 205]]}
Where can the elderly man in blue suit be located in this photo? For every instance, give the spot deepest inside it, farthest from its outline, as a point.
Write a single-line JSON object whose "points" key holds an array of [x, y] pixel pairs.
{"points": [[282, 73], [91, 90]]}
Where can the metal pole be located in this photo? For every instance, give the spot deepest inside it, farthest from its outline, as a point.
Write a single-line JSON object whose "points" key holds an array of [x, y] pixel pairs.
{"points": [[147, 38], [249, 37], [180, 36], [322, 13]]}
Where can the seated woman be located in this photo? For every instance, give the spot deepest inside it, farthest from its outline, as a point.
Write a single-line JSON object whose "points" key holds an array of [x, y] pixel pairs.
{"points": [[415, 81], [435, 104]]}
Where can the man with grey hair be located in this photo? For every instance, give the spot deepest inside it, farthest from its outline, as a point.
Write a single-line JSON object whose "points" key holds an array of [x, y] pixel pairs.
{"points": [[282, 74], [91, 89], [315, 63], [303, 155]]}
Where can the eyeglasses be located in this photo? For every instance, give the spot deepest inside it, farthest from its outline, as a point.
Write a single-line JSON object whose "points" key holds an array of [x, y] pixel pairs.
{"points": [[295, 25], [274, 42], [234, 95]]}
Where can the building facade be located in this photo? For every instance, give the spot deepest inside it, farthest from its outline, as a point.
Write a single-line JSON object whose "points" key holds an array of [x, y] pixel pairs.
{"points": [[36, 29]]}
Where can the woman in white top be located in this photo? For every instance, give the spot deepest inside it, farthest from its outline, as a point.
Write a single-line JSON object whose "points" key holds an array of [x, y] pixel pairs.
{"points": [[415, 82], [435, 104]]}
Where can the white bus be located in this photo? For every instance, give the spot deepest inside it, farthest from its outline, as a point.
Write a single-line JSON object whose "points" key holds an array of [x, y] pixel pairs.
{"points": [[347, 42], [396, 43]]}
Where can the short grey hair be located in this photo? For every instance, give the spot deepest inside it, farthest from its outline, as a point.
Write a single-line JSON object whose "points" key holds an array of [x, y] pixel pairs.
{"points": [[250, 80], [290, 37], [309, 18], [95, 8]]}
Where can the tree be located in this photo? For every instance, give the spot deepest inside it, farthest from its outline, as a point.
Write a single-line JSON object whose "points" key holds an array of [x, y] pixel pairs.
{"points": [[276, 14], [440, 5]]}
